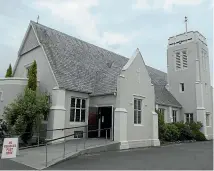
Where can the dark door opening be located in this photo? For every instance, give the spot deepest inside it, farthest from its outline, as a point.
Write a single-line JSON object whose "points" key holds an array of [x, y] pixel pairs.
{"points": [[105, 117]]}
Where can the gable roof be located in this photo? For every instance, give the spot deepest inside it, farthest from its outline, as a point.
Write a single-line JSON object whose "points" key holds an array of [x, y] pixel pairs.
{"points": [[84, 67]]}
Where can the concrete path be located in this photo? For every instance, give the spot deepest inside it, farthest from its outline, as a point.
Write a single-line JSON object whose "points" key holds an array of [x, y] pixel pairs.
{"points": [[36, 157], [189, 156]]}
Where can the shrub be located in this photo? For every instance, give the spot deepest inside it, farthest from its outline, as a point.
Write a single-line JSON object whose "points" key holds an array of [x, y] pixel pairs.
{"points": [[171, 132], [199, 136], [3, 130], [184, 131], [195, 126], [161, 125], [26, 113]]}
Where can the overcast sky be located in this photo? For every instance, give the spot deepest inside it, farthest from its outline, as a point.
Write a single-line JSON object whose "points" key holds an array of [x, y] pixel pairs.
{"points": [[117, 25]]}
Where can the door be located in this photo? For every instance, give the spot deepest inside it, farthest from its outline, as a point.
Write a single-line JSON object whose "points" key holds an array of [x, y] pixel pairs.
{"points": [[93, 122], [105, 121]]}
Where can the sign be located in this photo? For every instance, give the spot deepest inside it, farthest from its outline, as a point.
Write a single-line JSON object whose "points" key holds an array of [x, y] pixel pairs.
{"points": [[10, 148]]}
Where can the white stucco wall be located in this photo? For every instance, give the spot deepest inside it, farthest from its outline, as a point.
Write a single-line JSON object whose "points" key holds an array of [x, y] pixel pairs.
{"points": [[131, 85], [106, 100], [44, 72], [69, 124], [11, 88]]}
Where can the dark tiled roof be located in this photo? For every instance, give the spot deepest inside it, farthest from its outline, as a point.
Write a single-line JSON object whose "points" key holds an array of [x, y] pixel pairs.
{"points": [[164, 97], [83, 67]]}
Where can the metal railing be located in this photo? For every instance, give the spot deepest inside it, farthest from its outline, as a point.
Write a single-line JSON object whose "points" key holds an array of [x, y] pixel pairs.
{"points": [[37, 135], [50, 142]]}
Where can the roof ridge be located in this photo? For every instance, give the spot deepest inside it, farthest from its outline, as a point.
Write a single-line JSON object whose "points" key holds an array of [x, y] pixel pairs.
{"points": [[33, 22]]}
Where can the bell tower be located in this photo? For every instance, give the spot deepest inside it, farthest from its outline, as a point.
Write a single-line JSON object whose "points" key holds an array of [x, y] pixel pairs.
{"points": [[189, 77]]}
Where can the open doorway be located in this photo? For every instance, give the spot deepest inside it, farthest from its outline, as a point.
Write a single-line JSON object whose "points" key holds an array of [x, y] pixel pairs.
{"points": [[100, 118], [105, 121]]}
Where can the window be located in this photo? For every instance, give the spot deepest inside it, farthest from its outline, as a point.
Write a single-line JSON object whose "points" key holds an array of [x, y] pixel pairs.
{"points": [[77, 110], [174, 116], [181, 87], [27, 71], [207, 119], [161, 110], [178, 61], [78, 134], [181, 60], [184, 59], [137, 111], [189, 117]]}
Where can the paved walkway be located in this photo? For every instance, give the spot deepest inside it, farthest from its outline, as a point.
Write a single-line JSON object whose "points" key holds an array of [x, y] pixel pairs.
{"points": [[189, 156], [36, 157]]}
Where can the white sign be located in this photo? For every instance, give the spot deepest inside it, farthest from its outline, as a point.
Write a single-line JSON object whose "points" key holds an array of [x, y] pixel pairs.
{"points": [[10, 148]]}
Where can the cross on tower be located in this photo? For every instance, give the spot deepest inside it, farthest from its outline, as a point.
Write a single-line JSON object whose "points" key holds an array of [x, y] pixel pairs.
{"points": [[186, 20], [37, 19]]}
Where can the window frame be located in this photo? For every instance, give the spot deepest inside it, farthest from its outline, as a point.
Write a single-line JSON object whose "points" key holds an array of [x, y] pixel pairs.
{"points": [[188, 119], [27, 67], [75, 108], [174, 116], [137, 110], [208, 123], [180, 59], [181, 87]]}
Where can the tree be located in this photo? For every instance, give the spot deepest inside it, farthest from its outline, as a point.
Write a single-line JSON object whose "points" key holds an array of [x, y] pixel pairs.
{"points": [[26, 113], [9, 72], [32, 77]]}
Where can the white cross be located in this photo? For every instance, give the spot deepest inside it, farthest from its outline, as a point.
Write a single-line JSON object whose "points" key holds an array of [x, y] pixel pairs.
{"points": [[138, 73], [186, 20], [37, 19]]}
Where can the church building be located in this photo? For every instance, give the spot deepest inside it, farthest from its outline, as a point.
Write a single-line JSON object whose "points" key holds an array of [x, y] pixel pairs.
{"points": [[95, 89]]}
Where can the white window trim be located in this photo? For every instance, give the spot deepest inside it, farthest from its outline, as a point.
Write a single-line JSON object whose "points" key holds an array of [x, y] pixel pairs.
{"points": [[189, 117], [80, 122], [139, 97], [180, 88], [176, 115], [209, 119]]}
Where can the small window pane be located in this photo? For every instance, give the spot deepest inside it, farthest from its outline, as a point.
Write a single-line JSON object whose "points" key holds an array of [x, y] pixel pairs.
{"points": [[77, 115], [139, 117], [139, 104], [135, 104], [83, 103], [82, 115], [135, 117], [191, 117], [72, 112], [72, 102], [78, 103]]}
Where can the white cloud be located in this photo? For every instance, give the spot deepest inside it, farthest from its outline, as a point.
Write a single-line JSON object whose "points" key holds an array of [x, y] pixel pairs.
{"points": [[77, 14], [112, 38], [163, 4]]}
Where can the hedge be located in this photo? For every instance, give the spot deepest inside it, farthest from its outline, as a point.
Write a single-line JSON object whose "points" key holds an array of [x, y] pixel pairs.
{"points": [[179, 131]]}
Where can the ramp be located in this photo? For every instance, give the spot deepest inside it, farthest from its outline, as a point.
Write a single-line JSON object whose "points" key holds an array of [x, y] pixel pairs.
{"points": [[36, 157]]}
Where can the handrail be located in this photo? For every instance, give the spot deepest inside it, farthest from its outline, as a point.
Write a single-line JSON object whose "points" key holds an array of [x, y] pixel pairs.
{"points": [[47, 141], [66, 128], [74, 134]]}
